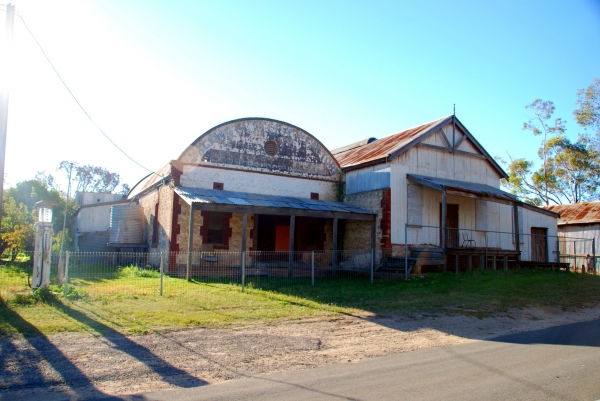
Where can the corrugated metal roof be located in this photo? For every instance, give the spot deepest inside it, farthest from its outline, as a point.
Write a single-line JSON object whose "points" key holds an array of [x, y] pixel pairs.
{"points": [[150, 180], [203, 195], [382, 148], [470, 187], [577, 213]]}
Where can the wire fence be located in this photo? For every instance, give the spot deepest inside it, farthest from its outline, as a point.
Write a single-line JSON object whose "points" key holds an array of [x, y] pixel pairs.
{"points": [[178, 273]]}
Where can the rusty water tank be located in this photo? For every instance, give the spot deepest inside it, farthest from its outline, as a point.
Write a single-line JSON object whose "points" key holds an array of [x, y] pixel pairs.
{"points": [[126, 224]]}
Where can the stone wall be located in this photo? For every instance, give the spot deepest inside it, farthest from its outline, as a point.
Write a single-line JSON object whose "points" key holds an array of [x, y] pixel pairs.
{"points": [[357, 234]]}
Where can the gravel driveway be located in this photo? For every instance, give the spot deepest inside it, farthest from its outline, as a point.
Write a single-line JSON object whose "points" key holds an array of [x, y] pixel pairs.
{"points": [[80, 366]]}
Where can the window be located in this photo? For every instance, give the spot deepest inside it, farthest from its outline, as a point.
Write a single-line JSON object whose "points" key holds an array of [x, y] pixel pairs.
{"points": [[218, 185], [215, 229], [314, 195]]}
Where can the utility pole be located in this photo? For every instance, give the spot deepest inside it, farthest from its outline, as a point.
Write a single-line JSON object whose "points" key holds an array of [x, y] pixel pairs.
{"points": [[10, 18], [61, 265]]}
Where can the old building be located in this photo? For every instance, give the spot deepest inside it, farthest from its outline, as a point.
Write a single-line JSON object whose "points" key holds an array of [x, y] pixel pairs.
{"points": [[92, 220], [257, 184], [253, 184], [438, 175], [579, 227]]}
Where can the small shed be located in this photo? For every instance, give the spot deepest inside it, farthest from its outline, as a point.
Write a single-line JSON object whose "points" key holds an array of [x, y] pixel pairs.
{"points": [[579, 229]]}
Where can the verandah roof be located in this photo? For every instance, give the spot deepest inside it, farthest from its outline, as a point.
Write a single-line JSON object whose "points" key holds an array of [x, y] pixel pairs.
{"points": [[246, 202]]}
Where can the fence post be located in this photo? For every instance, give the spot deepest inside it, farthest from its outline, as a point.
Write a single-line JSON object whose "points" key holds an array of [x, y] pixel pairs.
{"points": [[243, 271], [312, 268], [372, 263], [486, 255], [594, 255], [405, 252], [575, 256], [162, 274], [558, 251], [66, 276]]}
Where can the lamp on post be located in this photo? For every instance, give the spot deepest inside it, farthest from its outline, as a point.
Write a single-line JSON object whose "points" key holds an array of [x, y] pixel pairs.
{"points": [[43, 244]]}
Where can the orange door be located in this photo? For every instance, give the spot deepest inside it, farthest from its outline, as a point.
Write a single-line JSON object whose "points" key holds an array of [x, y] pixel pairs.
{"points": [[282, 238]]}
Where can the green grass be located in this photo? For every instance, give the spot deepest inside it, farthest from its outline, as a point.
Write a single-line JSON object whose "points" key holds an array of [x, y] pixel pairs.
{"points": [[122, 305]]}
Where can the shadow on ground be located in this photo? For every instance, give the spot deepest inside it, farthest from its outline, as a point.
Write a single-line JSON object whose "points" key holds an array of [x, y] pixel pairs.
{"points": [[42, 365], [580, 334]]}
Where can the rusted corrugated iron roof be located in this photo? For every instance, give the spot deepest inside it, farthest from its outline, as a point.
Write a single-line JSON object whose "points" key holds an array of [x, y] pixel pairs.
{"points": [[353, 146], [382, 148], [577, 213]]}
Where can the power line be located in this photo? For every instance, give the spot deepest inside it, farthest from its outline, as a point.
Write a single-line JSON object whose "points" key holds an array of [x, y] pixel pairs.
{"points": [[77, 101]]}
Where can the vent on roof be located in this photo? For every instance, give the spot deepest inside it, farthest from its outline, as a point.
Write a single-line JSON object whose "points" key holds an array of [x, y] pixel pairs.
{"points": [[271, 148]]}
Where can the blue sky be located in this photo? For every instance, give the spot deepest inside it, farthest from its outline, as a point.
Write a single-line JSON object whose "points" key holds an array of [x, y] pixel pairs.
{"points": [[156, 75]]}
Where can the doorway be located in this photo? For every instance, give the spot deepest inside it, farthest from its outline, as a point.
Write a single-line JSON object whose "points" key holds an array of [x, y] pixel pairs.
{"points": [[451, 225], [539, 244]]}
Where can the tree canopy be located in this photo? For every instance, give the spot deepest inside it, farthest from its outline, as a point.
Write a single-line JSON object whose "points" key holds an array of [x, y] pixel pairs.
{"points": [[569, 170]]}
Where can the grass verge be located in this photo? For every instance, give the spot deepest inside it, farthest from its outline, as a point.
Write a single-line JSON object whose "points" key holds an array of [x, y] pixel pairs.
{"points": [[218, 305]]}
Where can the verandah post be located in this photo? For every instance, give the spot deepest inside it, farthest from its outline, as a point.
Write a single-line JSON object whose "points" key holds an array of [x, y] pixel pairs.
{"points": [[190, 242], [243, 271], [334, 250]]}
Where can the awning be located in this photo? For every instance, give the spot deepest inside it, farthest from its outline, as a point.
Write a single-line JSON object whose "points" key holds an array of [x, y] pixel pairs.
{"points": [[463, 188], [246, 202]]}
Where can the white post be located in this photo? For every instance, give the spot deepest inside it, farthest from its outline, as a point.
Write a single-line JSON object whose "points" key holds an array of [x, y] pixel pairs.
{"points": [[10, 15], [162, 274]]}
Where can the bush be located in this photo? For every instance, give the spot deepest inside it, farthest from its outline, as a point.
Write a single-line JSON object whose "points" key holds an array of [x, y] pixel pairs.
{"points": [[134, 271]]}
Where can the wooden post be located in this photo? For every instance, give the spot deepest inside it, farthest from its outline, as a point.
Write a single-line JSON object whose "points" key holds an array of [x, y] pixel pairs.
{"points": [[373, 238], [334, 246], [456, 263], [481, 264], [444, 216], [291, 250], [594, 255], [505, 263], [470, 262], [517, 234], [190, 242], [494, 262], [244, 227]]}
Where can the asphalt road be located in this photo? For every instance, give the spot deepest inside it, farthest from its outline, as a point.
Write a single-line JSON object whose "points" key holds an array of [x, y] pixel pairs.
{"points": [[560, 363]]}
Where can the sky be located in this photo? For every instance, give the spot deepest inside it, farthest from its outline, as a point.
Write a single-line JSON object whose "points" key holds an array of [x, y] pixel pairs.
{"points": [[156, 75]]}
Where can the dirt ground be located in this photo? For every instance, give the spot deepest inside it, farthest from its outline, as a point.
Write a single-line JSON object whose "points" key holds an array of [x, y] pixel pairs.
{"points": [[82, 365]]}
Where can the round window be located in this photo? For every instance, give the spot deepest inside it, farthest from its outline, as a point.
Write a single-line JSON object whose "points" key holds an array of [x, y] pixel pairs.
{"points": [[271, 148]]}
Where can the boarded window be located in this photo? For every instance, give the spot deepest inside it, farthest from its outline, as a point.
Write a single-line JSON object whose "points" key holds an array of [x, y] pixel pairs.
{"points": [[481, 215], [314, 196], [218, 185], [414, 200]]}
